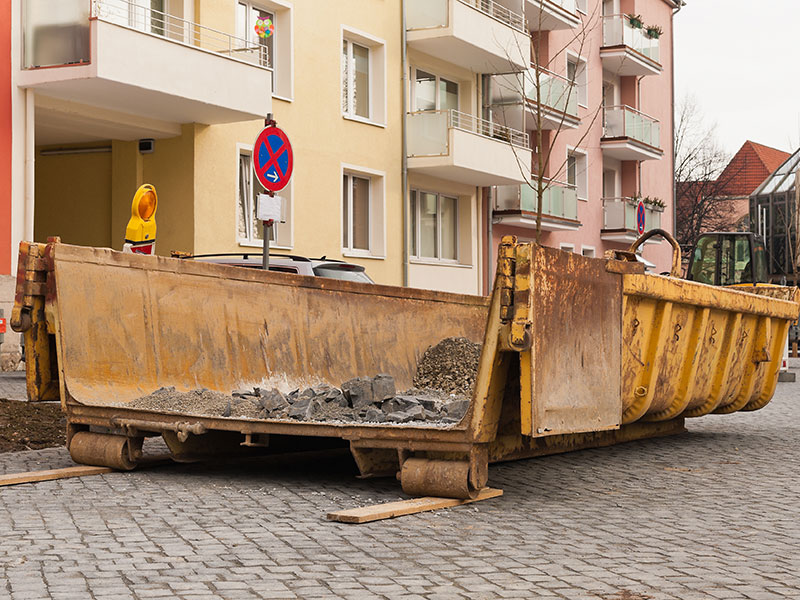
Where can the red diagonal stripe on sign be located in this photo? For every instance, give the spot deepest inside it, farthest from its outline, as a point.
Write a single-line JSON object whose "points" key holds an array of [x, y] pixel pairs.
{"points": [[273, 160]]}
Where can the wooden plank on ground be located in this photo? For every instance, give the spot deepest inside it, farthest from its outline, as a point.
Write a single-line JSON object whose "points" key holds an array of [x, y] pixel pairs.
{"points": [[48, 475], [388, 510]]}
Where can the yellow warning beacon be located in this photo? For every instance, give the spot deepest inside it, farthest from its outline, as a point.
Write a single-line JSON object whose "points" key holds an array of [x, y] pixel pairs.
{"points": [[140, 235]]}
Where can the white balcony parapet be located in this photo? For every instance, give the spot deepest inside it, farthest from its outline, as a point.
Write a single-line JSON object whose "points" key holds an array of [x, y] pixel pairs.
{"points": [[71, 43], [117, 56], [618, 31], [427, 134], [425, 14], [461, 147], [624, 121], [519, 205], [619, 219], [549, 15], [480, 35]]}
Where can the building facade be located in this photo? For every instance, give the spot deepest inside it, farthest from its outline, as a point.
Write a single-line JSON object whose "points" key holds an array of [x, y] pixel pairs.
{"points": [[416, 125]]}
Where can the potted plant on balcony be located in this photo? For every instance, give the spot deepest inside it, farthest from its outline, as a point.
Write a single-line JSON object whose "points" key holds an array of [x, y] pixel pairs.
{"points": [[654, 31], [656, 204], [635, 21]]}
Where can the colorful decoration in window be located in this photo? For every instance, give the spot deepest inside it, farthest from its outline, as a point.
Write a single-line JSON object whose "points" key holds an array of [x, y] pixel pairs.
{"points": [[264, 28]]}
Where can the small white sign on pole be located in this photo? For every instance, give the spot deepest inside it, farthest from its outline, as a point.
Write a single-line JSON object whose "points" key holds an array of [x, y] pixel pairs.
{"points": [[270, 208]]}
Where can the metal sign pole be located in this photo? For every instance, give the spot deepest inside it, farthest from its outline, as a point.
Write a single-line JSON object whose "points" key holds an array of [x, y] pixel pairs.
{"points": [[272, 168], [268, 122]]}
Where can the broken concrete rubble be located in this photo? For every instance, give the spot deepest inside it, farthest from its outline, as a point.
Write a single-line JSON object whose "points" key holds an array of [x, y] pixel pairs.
{"points": [[363, 399], [445, 376]]}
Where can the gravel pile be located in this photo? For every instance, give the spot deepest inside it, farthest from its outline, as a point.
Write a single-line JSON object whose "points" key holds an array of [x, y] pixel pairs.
{"points": [[450, 366], [444, 381]]}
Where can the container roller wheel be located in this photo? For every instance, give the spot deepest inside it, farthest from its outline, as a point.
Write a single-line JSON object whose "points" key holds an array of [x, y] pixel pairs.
{"points": [[105, 450], [441, 478]]}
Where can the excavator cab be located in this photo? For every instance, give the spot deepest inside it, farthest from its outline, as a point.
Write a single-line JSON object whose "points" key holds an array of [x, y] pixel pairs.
{"points": [[728, 258]]}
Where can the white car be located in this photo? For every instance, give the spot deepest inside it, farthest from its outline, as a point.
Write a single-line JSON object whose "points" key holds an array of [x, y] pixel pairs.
{"points": [[287, 263]]}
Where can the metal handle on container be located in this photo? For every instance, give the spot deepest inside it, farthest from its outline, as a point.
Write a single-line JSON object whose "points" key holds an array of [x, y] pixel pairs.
{"points": [[676, 249]]}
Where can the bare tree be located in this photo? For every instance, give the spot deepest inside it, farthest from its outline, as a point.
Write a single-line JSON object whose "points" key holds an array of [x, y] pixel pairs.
{"points": [[537, 91], [702, 181]]}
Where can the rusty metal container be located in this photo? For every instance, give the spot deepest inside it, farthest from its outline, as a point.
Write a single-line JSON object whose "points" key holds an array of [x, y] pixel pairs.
{"points": [[576, 352]]}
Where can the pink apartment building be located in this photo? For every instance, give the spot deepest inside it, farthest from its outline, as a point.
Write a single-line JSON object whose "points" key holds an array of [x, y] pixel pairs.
{"points": [[605, 91]]}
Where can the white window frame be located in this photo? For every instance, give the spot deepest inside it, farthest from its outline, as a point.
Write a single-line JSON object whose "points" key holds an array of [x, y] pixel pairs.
{"points": [[567, 247], [581, 176], [282, 45], [377, 212], [580, 5], [282, 232], [437, 101], [377, 76], [581, 77], [591, 249], [415, 222]]}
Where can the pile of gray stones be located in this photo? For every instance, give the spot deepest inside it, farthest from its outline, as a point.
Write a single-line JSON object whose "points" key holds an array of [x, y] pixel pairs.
{"points": [[365, 399], [445, 378]]}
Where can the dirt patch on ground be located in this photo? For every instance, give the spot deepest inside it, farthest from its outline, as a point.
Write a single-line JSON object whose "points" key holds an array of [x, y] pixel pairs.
{"points": [[31, 426]]}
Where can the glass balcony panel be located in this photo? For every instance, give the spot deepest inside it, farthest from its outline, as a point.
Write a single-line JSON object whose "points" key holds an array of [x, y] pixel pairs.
{"points": [[427, 134], [614, 119], [55, 32], [623, 121], [558, 199], [620, 213], [425, 14], [556, 92]]}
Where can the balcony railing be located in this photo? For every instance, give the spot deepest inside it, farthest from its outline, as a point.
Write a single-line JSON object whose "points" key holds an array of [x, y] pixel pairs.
{"points": [[620, 213], [556, 92], [58, 33], [559, 199], [428, 131], [618, 31], [424, 14], [626, 122], [568, 5]]}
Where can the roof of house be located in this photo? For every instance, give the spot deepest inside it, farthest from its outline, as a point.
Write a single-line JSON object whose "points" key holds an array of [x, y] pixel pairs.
{"points": [[749, 167]]}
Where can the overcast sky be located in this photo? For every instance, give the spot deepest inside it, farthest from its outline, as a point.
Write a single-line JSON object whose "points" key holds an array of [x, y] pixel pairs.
{"points": [[740, 60]]}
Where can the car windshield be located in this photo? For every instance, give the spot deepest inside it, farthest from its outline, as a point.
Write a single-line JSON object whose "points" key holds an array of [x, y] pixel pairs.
{"points": [[346, 272]]}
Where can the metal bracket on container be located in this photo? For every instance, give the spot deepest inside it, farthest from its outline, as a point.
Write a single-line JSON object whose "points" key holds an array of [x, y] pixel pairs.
{"points": [[505, 274]]}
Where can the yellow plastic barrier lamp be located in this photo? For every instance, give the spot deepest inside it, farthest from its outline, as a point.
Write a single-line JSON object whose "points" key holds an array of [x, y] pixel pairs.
{"points": [[140, 235]]}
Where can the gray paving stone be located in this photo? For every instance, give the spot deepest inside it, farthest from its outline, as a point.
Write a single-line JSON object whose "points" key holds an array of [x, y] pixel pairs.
{"points": [[711, 514]]}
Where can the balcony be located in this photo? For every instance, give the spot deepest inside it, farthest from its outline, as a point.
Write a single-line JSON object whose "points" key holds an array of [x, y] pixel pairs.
{"points": [[518, 206], [551, 15], [455, 146], [628, 50], [124, 58], [619, 219], [558, 98], [630, 135], [480, 35]]}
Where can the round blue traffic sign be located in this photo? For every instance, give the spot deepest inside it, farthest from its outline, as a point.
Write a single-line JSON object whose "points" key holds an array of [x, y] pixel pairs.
{"points": [[273, 159], [640, 222]]}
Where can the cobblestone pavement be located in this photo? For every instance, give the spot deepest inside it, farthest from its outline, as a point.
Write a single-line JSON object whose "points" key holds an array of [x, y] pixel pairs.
{"points": [[711, 514], [12, 385]]}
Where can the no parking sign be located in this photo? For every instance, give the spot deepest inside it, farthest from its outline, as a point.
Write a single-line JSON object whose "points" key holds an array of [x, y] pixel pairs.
{"points": [[640, 218], [273, 159]]}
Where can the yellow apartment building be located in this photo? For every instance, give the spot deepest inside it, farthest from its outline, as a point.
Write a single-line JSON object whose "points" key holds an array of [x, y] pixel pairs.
{"points": [[115, 93]]}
